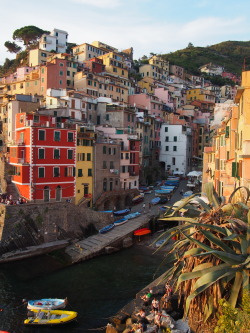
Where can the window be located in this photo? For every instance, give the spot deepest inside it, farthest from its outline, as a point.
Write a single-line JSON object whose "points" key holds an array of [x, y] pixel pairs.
{"points": [[89, 172], [56, 153], [36, 119], [80, 157], [70, 137], [80, 174], [56, 172], [167, 148], [104, 165], [112, 165], [57, 136], [173, 160], [175, 138], [41, 153], [41, 172], [88, 157], [166, 129], [61, 73], [174, 148], [70, 154], [167, 138], [104, 150], [41, 135]]}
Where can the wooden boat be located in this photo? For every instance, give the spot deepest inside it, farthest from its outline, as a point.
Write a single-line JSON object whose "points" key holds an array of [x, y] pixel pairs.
{"points": [[155, 201], [106, 228], [132, 215], [121, 221], [50, 317], [137, 199], [141, 232], [47, 303], [121, 212]]}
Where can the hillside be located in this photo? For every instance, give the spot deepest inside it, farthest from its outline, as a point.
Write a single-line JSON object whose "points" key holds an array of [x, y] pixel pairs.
{"points": [[229, 54]]}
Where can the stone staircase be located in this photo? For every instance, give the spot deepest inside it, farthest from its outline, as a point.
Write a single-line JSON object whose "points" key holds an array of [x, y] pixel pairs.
{"points": [[12, 190]]}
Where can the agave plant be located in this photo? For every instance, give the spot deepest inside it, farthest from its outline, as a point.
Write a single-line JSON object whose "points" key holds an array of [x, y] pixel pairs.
{"points": [[211, 258]]}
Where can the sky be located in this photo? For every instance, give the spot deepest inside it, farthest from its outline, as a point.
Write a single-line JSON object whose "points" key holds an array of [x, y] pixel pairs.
{"points": [[158, 26]]}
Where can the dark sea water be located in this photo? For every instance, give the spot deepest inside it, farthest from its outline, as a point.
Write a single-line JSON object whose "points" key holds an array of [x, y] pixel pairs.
{"points": [[96, 289]]}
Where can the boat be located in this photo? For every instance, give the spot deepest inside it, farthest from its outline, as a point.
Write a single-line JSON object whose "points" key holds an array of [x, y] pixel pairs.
{"points": [[162, 192], [121, 221], [141, 232], [132, 215], [49, 317], [47, 303], [106, 228], [155, 201], [138, 198], [121, 212]]}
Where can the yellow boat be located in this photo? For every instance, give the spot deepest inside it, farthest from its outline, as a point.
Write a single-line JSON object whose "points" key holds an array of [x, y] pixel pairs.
{"points": [[50, 317]]}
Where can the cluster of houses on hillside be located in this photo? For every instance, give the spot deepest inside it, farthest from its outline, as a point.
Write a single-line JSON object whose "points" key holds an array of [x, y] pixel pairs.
{"points": [[79, 126]]}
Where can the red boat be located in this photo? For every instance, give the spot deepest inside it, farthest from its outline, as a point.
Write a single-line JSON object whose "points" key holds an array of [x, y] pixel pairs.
{"points": [[141, 232]]}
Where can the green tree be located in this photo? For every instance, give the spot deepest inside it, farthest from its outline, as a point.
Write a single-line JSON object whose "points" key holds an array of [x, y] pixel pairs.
{"points": [[210, 260], [12, 47], [28, 34]]}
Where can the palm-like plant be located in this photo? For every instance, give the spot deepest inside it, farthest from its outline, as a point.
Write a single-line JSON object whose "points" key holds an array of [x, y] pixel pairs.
{"points": [[211, 258]]}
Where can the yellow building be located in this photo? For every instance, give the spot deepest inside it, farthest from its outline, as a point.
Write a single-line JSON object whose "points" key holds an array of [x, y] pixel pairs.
{"points": [[84, 165], [159, 62], [86, 51], [38, 57], [199, 94], [30, 84], [102, 86], [147, 83], [114, 64]]}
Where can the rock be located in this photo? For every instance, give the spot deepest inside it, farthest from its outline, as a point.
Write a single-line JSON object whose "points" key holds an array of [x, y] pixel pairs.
{"points": [[110, 249], [127, 242], [110, 329], [182, 326]]}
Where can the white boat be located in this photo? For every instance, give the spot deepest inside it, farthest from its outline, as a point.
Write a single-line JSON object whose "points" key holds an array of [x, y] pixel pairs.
{"points": [[47, 303]]}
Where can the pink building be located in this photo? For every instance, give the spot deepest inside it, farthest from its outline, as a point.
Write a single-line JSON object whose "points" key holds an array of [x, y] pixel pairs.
{"points": [[54, 75]]}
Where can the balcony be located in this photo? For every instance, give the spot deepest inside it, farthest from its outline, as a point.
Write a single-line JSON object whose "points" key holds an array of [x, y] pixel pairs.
{"points": [[22, 161]]}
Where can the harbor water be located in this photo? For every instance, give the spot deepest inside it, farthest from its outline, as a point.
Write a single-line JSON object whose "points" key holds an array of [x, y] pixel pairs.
{"points": [[96, 289]]}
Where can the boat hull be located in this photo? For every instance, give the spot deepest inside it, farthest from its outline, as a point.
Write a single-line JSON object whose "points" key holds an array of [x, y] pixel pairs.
{"points": [[47, 303], [120, 222], [50, 317], [106, 229], [142, 232]]}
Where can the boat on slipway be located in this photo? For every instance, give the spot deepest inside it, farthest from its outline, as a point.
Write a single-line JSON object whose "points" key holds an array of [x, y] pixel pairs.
{"points": [[120, 221], [142, 232], [106, 228], [47, 303], [155, 201], [139, 198], [132, 215], [49, 317], [121, 212]]}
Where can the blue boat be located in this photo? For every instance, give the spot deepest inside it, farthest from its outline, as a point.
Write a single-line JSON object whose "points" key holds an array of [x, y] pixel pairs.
{"points": [[47, 303], [121, 221], [106, 228], [163, 191], [132, 215], [155, 201], [121, 212]]}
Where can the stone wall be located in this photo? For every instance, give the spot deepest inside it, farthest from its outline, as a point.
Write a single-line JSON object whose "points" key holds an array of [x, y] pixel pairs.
{"points": [[49, 222]]}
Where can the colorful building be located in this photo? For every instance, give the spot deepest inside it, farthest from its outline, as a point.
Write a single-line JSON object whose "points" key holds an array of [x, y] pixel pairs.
{"points": [[43, 157]]}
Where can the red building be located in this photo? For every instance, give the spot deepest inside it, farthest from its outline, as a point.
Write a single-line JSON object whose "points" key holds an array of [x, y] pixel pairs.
{"points": [[95, 65], [54, 75], [43, 157]]}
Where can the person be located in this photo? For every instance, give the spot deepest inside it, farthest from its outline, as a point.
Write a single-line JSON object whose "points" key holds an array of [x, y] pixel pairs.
{"points": [[181, 192], [143, 207], [146, 298], [149, 206], [155, 305], [142, 316], [157, 319]]}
